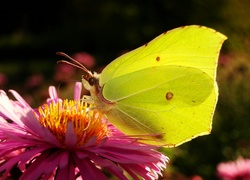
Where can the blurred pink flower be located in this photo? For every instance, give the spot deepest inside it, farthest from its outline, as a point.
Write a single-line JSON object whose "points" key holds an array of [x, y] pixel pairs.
{"points": [[34, 81], [3, 79], [64, 72], [195, 177], [234, 170], [67, 139], [86, 59]]}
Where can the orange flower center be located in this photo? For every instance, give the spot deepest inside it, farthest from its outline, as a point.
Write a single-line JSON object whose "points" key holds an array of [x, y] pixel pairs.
{"points": [[87, 123]]}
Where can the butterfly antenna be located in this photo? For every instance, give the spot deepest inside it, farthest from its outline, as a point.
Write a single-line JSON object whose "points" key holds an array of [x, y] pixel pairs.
{"points": [[77, 64]]}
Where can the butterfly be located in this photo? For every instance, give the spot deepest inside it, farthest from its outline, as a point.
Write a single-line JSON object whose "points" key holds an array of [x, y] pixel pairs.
{"points": [[165, 90]]}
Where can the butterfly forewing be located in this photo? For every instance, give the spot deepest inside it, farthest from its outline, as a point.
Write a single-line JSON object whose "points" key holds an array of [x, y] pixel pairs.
{"points": [[191, 46]]}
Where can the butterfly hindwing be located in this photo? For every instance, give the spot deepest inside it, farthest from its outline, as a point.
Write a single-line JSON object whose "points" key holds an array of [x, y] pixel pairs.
{"points": [[164, 101]]}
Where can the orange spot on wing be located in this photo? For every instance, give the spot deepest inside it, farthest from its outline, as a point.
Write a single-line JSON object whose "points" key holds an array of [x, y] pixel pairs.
{"points": [[169, 96]]}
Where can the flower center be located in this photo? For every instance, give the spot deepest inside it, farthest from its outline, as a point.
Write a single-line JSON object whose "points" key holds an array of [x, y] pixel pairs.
{"points": [[87, 123]]}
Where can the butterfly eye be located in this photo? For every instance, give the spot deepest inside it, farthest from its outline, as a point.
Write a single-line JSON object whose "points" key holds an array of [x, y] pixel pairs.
{"points": [[92, 81]]}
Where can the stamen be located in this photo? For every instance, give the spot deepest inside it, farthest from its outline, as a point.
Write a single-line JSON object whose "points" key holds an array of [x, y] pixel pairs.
{"points": [[87, 123]]}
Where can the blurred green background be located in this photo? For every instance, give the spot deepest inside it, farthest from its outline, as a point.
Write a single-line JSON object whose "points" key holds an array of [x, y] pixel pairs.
{"points": [[32, 31]]}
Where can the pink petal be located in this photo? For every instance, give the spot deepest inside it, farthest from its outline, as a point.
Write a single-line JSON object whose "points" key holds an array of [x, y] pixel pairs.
{"points": [[53, 95], [70, 136], [88, 170], [77, 91], [19, 98]]}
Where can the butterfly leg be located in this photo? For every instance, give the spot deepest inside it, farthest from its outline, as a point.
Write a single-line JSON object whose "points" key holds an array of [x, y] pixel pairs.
{"points": [[87, 99]]}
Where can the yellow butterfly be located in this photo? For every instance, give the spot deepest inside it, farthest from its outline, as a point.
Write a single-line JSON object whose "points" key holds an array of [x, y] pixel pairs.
{"points": [[165, 89]]}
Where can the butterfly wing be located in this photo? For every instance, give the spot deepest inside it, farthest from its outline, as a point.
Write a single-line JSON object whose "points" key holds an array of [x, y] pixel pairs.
{"points": [[174, 103], [191, 46]]}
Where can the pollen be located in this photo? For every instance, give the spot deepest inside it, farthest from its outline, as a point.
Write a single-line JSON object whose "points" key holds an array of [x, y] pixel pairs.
{"points": [[87, 122]]}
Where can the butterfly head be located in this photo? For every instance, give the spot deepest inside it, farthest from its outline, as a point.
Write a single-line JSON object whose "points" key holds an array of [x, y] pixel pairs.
{"points": [[90, 80]]}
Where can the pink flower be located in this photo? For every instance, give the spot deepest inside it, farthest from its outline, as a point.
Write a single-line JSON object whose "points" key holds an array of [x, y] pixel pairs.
{"points": [[84, 58], [3, 79], [67, 139], [234, 170], [34, 81], [64, 72]]}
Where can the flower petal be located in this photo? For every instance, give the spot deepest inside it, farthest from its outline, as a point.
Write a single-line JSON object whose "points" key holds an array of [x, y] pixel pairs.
{"points": [[19, 98], [88, 170], [77, 91], [70, 136], [53, 95]]}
